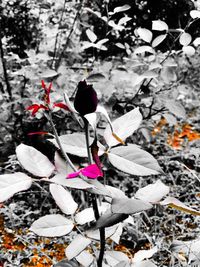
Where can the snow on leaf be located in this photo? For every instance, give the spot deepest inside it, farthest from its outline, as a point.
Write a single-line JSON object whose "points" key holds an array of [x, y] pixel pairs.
{"points": [[145, 34], [159, 25], [185, 39], [52, 225], [152, 192], [158, 40], [85, 258], [195, 14], [121, 8], [77, 183], [144, 254], [85, 216], [114, 257], [91, 35], [177, 204], [143, 49], [129, 206], [34, 161], [188, 50], [133, 160], [63, 199], [78, 244], [123, 127], [13, 183]]}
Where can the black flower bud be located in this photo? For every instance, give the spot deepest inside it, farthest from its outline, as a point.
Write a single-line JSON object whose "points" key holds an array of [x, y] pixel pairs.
{"points": [[86, 99]]}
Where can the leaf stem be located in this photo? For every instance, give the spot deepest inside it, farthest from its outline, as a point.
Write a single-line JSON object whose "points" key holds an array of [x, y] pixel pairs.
{"points": [[67, 159], [94, 200]]}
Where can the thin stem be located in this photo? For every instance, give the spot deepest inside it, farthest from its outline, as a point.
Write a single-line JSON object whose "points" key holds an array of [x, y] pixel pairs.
{"points": [[67, 159], [94, 200]]}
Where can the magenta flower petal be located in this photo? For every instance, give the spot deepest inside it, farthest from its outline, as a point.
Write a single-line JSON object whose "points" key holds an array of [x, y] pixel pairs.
{"points": [[73, 174], [91, 171]]}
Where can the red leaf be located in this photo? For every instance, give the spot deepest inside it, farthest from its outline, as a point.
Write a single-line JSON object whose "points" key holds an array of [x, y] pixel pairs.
{"points": [[61, 105]]}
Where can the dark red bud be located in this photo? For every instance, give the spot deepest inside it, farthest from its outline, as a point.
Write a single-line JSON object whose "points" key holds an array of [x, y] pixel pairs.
{"points": [[86, 99]]}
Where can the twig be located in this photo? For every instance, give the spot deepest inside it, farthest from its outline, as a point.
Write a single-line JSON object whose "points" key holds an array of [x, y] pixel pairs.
{"points": [[5, 70], [67, 159], [68, 38], [94, 200]]}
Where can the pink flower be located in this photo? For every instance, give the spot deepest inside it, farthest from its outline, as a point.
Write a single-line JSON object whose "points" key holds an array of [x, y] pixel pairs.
{"points": [[92, 171]]}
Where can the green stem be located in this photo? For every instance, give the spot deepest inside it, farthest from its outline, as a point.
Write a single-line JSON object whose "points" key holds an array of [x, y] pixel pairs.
{"points": [[94, 200], [67, 159]]}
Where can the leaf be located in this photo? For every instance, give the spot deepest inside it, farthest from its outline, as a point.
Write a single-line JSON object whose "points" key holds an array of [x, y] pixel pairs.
{"points": [[115, 26], [177, 204], [60, 165], [189, 248], [13, 183], [48, 74], [133, 160], [85, 216], [143, 49], [73, 144], [95, 234], [123, 127], [109, 219], [124, 20], [72, 183], [115, 192], [145, 263], [188, 50], [85, 258], [185, 39], [52, 225], [158, 40], [121, 8], [175, 108], [158, 25], [195, 14], [152, 192], [144, 254], [98, 188], [91, 35], [117, 235], [120, 45], [63, 199], [196, 41], [114, 257], [66, 263], [145, 34], [34, 161], [95, 77], [78, 244], [129, 206], [92, 119]]}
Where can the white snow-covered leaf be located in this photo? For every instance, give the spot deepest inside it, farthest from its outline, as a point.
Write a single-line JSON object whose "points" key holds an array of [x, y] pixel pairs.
{"points": [[13, 183], [158, 40], [78, 244], [188, 50], [52, 225], [73, 144], [34, 161], [144, 254], [85, 216], [143, 49], [145, 34], [124, 20], [133, 160], [177, 204], [159, 25], [152, 192], [123, 127], [63, 199], [91, 35], [185, 39], [113, 257], [121, 8], [85, 258], [196, 41], [195, 14], [72, 183]]}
